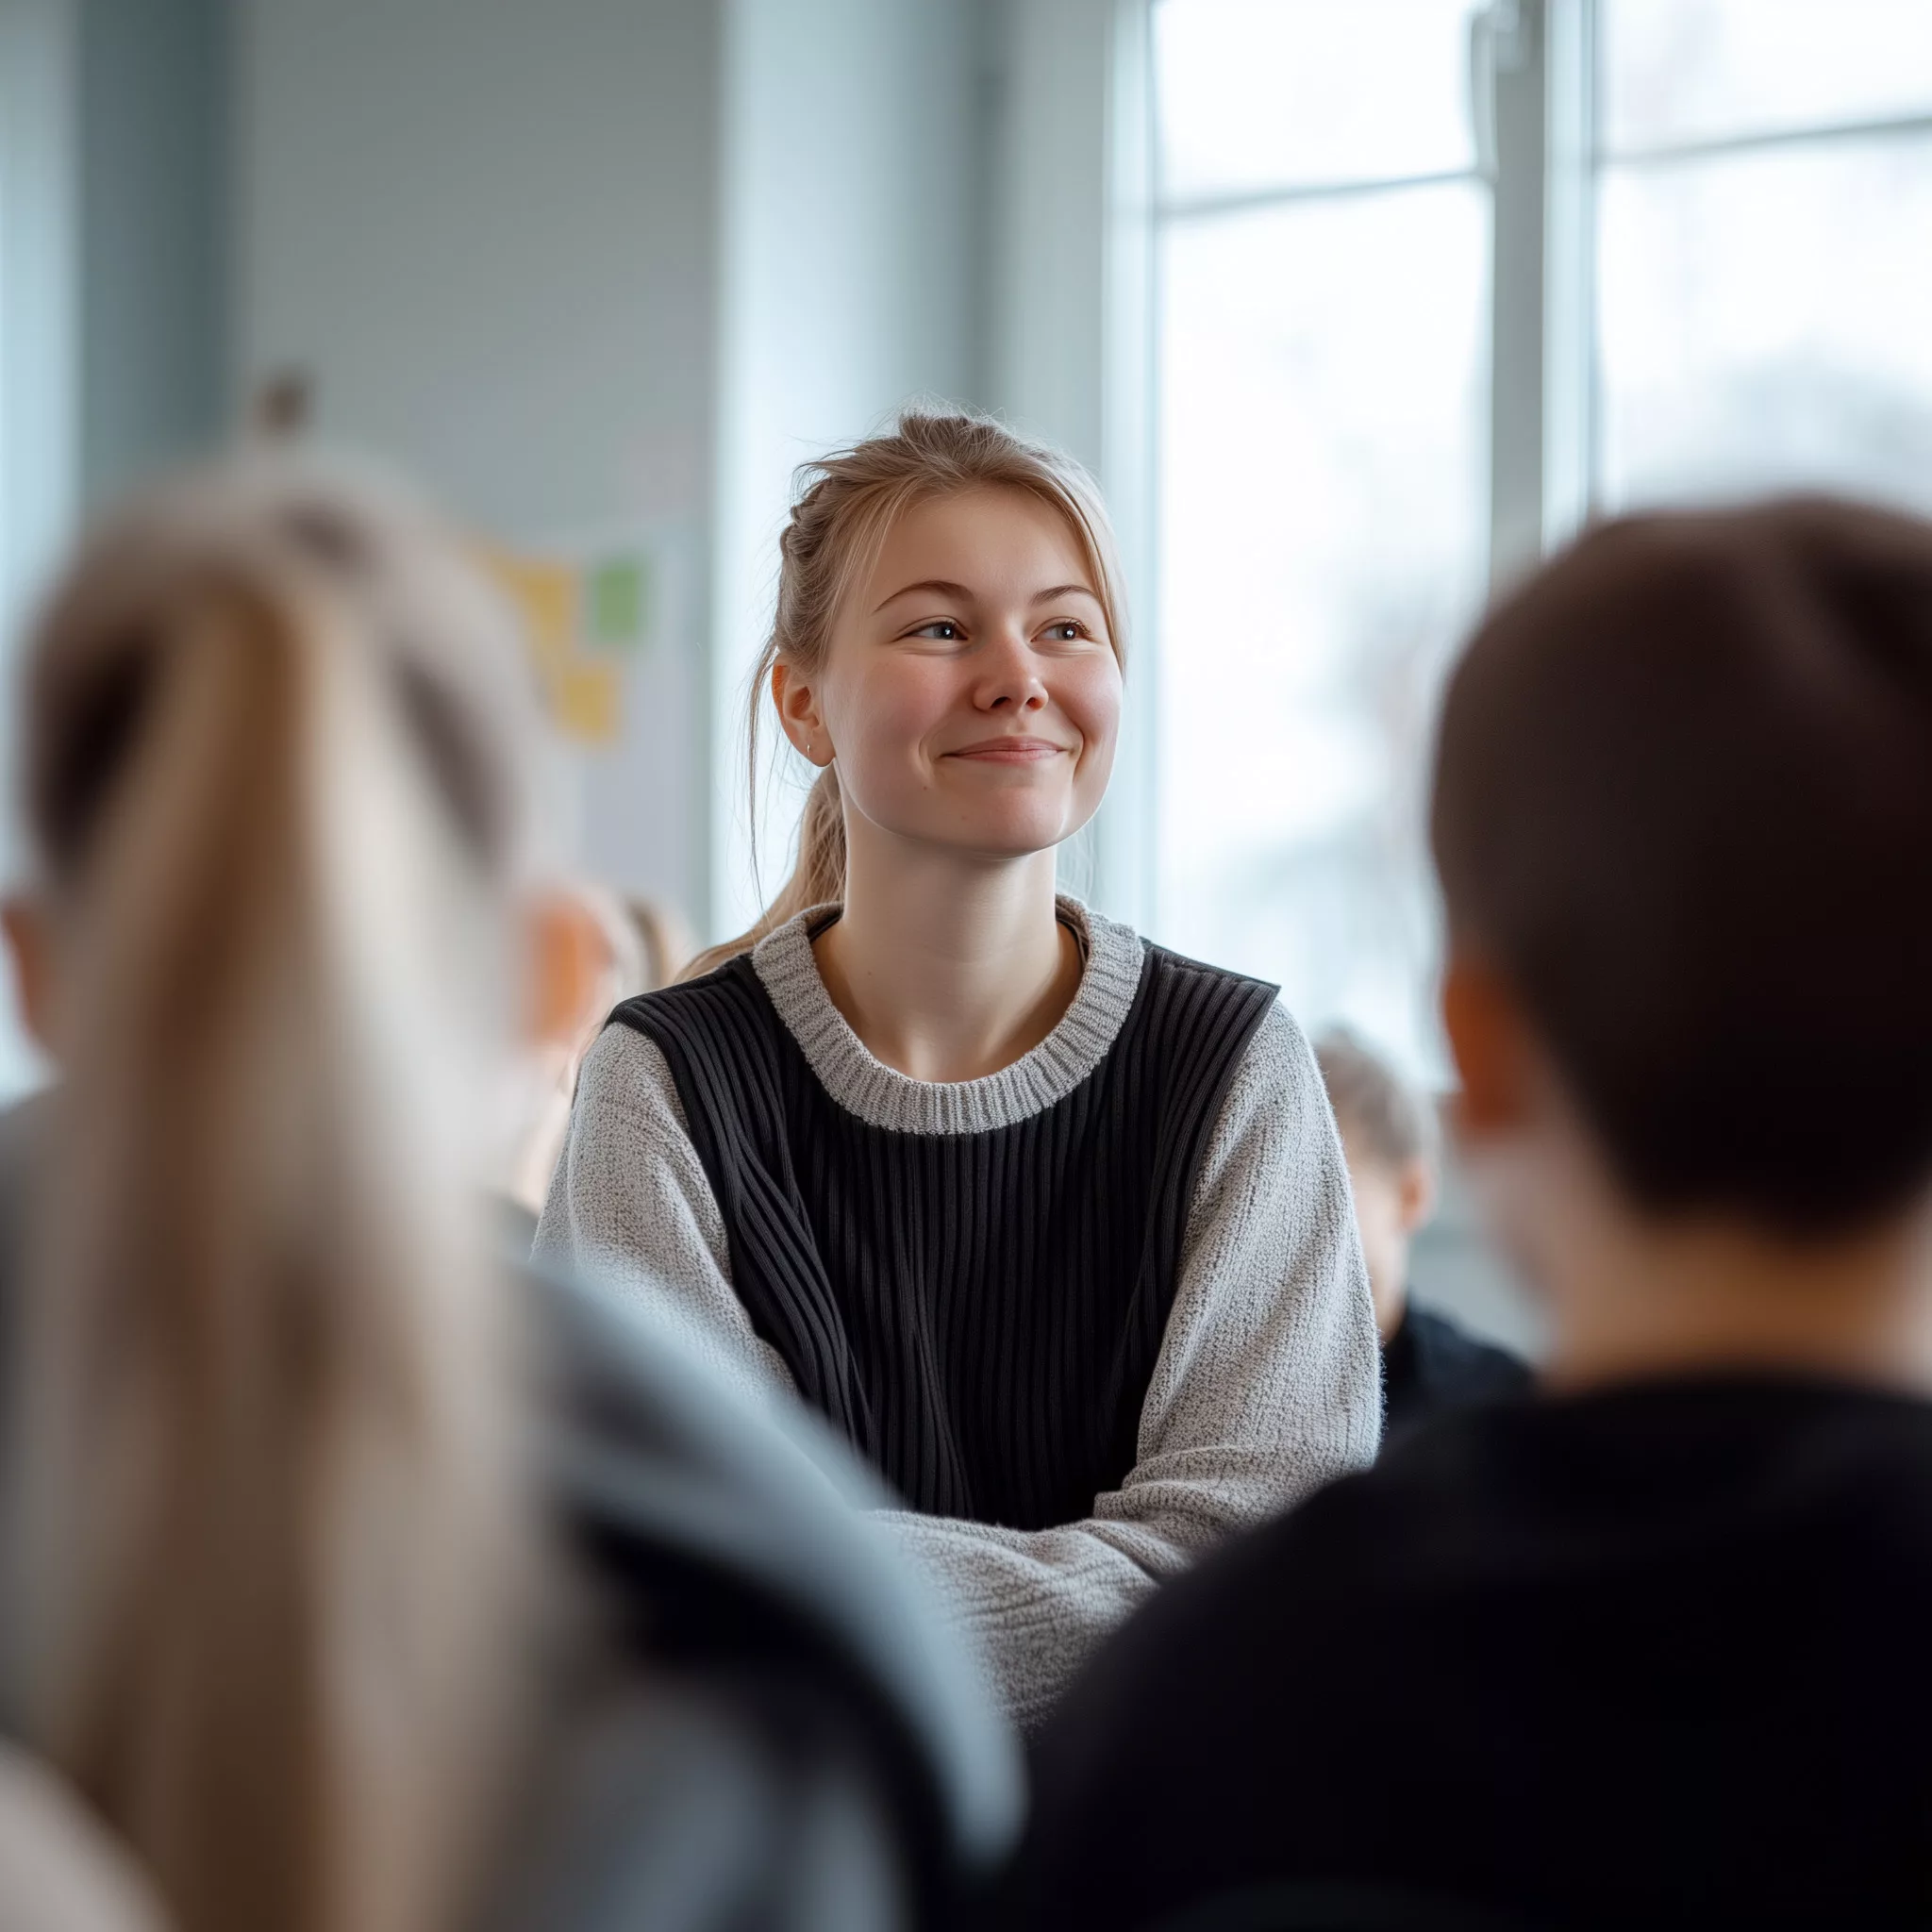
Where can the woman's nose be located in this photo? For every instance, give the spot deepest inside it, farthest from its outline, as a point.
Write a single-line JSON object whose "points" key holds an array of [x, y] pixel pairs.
{"points": [[1011, 680]]}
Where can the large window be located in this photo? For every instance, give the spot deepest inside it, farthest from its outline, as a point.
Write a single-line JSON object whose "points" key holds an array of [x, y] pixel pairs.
{"points": [[1764, 247], [1433, 280]]}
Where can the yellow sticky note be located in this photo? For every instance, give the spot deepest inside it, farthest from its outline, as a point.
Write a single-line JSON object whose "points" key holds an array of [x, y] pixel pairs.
{"points": [[545, 597], [587, 696]]}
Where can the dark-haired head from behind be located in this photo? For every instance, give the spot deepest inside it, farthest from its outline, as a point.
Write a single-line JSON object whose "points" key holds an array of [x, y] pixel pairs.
{"points": [[1666, 1618], [1683, 813]]}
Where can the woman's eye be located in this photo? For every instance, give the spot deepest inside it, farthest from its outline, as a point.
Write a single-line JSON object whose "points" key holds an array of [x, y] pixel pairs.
{"points": [[1067, 631], [942, 629]]}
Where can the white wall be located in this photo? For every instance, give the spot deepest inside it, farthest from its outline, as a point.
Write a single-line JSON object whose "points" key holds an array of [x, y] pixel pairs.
{"points": [[486, 229], [154, 179], [853, 279], [606, 261]]}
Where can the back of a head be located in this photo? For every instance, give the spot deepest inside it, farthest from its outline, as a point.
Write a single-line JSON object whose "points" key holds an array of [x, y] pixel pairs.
{"points": [[1683, 808], [1378, 1112], [269, 1549]]}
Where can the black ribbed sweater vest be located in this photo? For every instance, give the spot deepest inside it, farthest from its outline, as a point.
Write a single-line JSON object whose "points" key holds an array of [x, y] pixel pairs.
{"points": [[978, 1313]]}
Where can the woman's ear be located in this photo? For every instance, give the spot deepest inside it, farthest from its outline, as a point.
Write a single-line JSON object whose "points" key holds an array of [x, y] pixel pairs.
{"points": [[1491, 1048], [1415, 1193], [798, 711], [31, 944]]}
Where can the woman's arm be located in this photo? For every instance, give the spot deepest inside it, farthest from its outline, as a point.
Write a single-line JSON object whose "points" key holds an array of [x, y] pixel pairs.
{"points": [[1268, 1385], [630, 1205]]}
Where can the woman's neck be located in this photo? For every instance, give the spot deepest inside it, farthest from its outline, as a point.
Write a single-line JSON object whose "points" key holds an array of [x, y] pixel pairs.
{"points": [[949, 969]]}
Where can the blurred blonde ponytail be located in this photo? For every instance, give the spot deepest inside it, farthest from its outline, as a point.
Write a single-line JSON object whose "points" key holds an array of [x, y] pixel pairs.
{"points": [[274, 1570], [845, 508]]}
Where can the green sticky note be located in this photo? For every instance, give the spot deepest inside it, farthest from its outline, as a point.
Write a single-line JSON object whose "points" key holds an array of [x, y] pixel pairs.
{"points": [[619, 603]]}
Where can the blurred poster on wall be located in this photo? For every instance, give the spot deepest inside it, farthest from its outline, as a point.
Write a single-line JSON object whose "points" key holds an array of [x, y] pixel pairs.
{"points": [[590, 615], [608, 619]]}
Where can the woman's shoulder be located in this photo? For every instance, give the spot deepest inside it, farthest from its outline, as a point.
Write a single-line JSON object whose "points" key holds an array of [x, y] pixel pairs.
{"points": [[1279, 1058], [1225, 1031], [625, 1073], [690, 1024], [1201, 1013], [630, 1064], [725, 995]]}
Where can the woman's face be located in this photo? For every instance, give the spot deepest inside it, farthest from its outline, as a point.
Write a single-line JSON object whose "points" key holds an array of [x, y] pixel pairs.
{"points": [[971, 693]]}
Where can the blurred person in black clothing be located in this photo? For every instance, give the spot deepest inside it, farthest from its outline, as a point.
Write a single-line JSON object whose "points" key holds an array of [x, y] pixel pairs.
{"points": [[1430, 1362], [1648, 1648]]}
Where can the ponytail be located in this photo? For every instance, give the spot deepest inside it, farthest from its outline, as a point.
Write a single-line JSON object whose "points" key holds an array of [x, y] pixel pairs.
{"points": [[270, 1562], [838, 524], [818, 872]]}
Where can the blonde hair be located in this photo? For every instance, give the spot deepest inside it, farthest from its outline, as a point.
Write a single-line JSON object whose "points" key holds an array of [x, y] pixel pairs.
{"points": [[845, 507], [274, 1569]]}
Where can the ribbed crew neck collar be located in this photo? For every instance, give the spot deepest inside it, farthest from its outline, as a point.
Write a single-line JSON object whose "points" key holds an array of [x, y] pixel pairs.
{"points": [[883, 1097]]}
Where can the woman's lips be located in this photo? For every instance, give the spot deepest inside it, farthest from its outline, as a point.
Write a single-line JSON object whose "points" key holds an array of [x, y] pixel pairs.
{"points": [[1009, 751]]}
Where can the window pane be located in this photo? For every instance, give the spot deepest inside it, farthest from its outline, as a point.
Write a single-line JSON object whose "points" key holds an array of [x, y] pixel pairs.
{"points": [[1322, 541], [1696, 69], [1766, 322], [1273, 93]]}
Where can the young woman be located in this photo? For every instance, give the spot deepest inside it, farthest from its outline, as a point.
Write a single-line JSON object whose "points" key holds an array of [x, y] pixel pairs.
{"points": [[1052, 1224], [290, 1597]]}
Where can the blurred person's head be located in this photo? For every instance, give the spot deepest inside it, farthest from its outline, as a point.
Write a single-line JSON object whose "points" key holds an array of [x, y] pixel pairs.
{"points": [[1388, 1141], [592, 957], [947, 650], [1683, 823], [269, 1568], [664, 936]]}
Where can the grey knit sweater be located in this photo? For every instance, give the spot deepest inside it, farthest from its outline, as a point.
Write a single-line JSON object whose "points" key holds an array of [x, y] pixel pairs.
{"points": [[1267, 1382]]}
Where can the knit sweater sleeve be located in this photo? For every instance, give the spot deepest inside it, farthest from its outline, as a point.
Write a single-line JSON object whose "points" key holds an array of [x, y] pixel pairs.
{"points": [[630, 1205], [1267, 1385]]}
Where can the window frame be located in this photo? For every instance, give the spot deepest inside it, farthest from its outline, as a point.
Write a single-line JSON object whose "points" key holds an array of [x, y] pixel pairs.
{"points": [[1534, 85]]}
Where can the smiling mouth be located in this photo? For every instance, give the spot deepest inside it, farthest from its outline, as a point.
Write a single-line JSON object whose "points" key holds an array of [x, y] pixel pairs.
{"points": [[1009, 751]]}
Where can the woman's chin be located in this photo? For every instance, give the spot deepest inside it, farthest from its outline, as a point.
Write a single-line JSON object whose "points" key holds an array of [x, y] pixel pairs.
{"points": [[1012, 836], [998, 824]]}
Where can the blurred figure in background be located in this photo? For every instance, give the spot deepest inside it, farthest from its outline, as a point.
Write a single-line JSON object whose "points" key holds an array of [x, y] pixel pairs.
{"points": [[1430, 1362], [355, 1583], [600, 949], [596, 959], [665, 935], [1648, 1649]]}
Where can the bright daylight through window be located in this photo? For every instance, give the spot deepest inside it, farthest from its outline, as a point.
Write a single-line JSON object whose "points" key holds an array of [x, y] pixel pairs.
{"points": [[1331, 244]]}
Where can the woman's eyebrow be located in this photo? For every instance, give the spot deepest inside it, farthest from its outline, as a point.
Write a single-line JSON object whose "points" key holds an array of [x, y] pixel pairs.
{"points": [[959, 593]]}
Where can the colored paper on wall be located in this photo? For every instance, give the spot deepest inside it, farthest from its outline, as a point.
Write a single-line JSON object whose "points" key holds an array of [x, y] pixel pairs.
{"points": [[620, 602], [588, 612], [585, 697], [546, 595]]}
